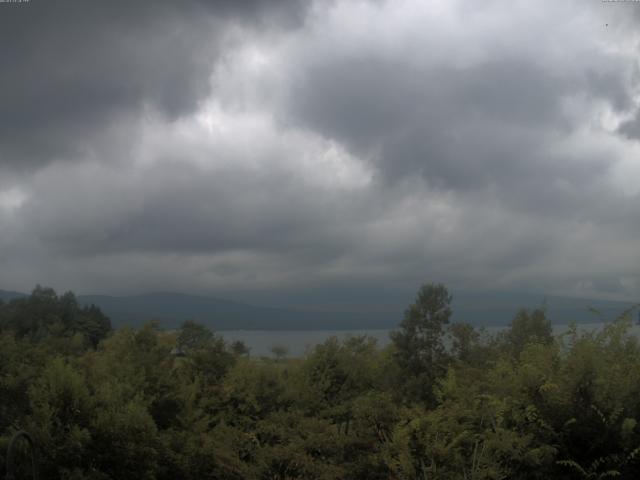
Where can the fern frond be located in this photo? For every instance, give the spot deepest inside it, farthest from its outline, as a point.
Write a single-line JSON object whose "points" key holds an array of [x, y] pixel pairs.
{"points": [[573, 465]]}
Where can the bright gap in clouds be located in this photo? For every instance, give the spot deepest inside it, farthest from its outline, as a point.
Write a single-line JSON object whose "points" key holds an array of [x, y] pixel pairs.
{"points": [[12, 198]]}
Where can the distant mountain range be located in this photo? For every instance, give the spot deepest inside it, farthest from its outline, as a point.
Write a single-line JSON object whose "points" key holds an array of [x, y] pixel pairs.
{"points": [[8, 295], [171, 309]]}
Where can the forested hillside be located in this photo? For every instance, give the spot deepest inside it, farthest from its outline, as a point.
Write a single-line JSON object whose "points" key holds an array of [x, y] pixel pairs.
{"points": [[151, 404]]}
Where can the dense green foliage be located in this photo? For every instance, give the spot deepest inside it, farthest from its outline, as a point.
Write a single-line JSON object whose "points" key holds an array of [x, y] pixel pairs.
{"points": [[441, 402]]}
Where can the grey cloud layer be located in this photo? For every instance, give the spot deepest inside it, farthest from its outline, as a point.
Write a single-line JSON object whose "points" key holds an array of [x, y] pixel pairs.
{"points": [[231, 146], [74, 68]]}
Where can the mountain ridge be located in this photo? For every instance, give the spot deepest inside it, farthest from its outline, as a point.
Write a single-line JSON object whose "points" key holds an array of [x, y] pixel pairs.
{"points": [[170, 309]]}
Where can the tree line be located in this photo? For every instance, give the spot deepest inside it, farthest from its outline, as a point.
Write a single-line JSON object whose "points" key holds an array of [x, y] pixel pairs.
{"points": [[442, 401]]}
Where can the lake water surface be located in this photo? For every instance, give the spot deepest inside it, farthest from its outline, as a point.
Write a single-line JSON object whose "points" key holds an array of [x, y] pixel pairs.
{"points": [[298, 342]]}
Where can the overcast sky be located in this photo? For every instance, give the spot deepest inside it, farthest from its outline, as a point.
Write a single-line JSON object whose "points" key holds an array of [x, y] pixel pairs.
{"points": [[348, 148]]}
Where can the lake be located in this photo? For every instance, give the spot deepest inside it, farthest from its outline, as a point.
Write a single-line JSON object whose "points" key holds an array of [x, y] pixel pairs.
{"points": [[298, 341]]}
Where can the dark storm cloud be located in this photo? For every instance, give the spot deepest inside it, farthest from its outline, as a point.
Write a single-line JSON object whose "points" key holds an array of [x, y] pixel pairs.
{"points": [[74, 68], [336, 147], [504, 129], [462, 129]]}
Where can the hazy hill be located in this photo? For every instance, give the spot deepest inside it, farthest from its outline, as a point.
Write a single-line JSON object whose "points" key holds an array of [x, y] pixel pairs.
{"points": [[499, 308], [8, 295], [480, 309], [171, 309]]}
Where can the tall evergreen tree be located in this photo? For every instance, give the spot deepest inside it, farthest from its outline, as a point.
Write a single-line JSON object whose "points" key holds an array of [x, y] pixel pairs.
{"points": [[419, 347]]}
